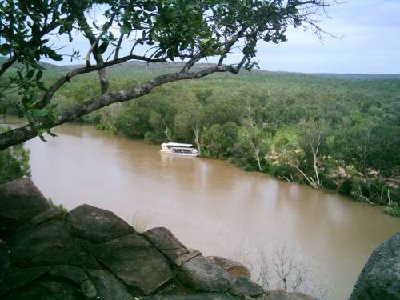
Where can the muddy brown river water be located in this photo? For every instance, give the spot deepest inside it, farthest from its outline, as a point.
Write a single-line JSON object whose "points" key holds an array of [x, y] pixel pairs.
{"points": [[211, 205]]}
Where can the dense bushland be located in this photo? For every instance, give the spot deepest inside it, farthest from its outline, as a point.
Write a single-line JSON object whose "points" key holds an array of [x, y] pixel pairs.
{"points": [[334, 131]]}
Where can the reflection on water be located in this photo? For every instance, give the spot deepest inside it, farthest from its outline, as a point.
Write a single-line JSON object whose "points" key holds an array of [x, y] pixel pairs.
{"points": [[210, 205]]}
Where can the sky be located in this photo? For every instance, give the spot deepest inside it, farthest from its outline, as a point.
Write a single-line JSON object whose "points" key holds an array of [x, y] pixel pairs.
{"points": [[367, 41], [363, 38]]}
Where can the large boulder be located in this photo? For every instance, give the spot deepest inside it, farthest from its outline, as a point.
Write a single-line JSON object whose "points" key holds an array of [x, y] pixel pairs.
{"points": [[203, 275], [5, 261], [135, 261], [97, 225], [380, 278], [20, 200], [46, 289], [5, 264], [48, 244], [243, 287], [72, 273], [17, 278], [166, 242], [108, 287]]}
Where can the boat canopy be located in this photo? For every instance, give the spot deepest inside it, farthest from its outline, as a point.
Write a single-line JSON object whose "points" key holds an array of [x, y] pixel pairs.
{"points": [[173, 144]]}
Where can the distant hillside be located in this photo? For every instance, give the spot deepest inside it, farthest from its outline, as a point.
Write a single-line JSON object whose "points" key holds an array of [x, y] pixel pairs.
{"points": [[47, 66], [175, 66], [360, 76]]}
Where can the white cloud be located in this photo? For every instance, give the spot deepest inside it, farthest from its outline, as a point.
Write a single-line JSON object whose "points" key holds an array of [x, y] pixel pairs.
{"points": [[368, 41]]}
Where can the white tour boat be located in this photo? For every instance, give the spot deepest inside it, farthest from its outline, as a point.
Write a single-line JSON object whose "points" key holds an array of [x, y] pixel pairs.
{"points": [[179, 149]]}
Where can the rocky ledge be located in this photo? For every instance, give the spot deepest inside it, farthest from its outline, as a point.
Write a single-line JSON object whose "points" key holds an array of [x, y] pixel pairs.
{"points": [[90, 253]]}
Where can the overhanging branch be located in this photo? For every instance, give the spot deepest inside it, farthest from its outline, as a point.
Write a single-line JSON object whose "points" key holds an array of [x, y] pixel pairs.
{"points": [[84, 70], [24, 133]]}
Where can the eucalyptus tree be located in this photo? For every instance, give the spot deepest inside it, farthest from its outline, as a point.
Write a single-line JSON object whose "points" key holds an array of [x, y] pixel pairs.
{"points": [[312, 142], [252, 136], [190, 117], [125, 30]]}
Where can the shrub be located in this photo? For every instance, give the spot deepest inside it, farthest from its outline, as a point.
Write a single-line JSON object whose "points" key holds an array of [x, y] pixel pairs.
{"points": [[393, 209], [14, 163]]}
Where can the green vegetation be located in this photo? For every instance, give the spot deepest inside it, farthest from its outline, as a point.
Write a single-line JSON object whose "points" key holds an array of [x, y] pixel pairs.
{"points": [[326, 131], [14, 162], [118, 31], [336, 132]]}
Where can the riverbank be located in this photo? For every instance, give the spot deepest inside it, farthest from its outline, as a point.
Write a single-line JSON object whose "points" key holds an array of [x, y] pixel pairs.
{"points": [[335, 132], [332, 132], [371, 188]]}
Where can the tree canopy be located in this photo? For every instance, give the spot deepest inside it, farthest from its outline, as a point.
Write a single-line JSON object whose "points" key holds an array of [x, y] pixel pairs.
{"points": [[118, 31]]}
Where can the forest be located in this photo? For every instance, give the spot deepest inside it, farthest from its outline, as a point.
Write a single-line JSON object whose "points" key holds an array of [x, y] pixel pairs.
{"points": [[339, 132]]}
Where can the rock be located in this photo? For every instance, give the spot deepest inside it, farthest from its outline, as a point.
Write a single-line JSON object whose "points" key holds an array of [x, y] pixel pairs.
{"points": [[4, 288], [380, 277], [166, 242], [134, 260], [234, 268], [75, 274], [97, 225], [20, 201], [174, 288], [243, 287], [284, 295], [46, 290], [50, 214], [205, 296], [4, 258], [48, 244], [16, 277], [5, 264], [107, 286], [88, 289], [186, 257], [203, 275]]}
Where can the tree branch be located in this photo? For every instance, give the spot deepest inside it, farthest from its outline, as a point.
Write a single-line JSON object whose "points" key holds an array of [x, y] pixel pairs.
{"points": [[119, 43], [191, 62], [87, 30], [22, 134], [84, 70]]}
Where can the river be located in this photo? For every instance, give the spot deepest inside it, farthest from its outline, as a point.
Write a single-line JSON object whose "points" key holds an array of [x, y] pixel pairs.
{"points": [[213, 206]]}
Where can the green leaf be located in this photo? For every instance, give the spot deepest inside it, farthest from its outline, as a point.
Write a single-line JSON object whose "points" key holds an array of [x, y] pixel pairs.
{"points": [[41, 86], [39, 113], [39, 75], [5, 49], [125, 29], [54, 56], [30, 74], [37, 66]]}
